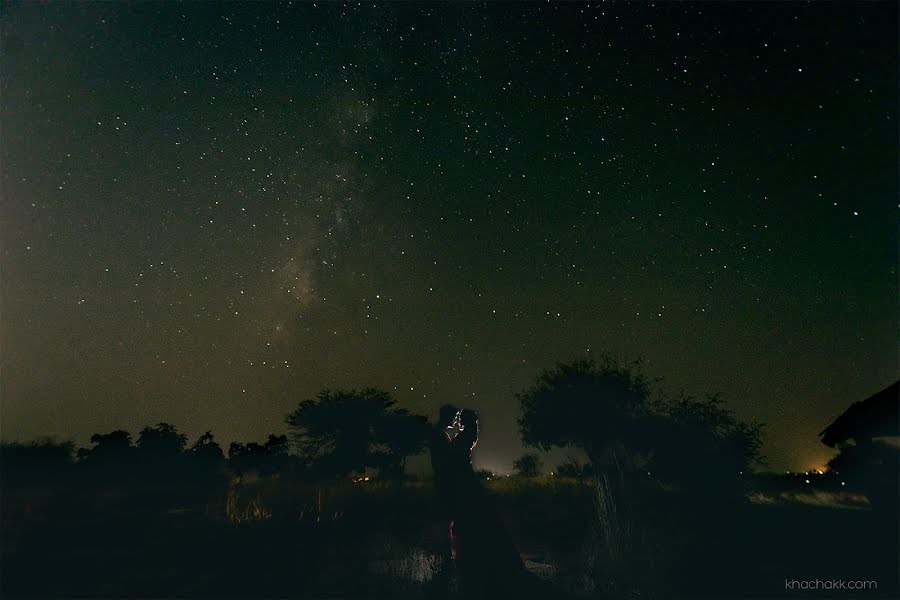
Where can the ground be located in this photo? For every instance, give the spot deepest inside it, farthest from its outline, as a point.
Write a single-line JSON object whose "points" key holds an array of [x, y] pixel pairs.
{"points": [[377, 540]]}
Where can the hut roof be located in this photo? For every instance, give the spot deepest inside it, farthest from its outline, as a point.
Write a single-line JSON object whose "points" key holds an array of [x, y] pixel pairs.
{"points": [[876, 416]]}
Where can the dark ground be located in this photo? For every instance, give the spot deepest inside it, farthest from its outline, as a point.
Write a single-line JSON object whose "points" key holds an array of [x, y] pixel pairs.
{"points": [[380, 540]]}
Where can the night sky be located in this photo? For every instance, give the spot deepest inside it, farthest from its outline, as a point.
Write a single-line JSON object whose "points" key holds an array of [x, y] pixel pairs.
{"points": [[212, 212]]}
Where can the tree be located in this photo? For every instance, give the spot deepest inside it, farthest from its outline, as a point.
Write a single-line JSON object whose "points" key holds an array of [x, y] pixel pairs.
{"points": [[243, 458], [528, 465], [276, 451], [607, 410], [574, 469], [266, 459], [207, 450], [111, 461], [43, 459], [398, 435], [593, 406], [633, 442], [341, 432], [277, 445], [701, 447], [108, 447], [164, 440], [596, 407], [206, 480]]}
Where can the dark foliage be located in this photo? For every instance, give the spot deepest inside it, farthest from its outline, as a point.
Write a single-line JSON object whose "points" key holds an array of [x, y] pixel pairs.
{"points": [[584, 404], [270, 458], [607, 410], [344, 432], [41, 460], [574, 469], [528, 465], [125, 519], [113, 447]]}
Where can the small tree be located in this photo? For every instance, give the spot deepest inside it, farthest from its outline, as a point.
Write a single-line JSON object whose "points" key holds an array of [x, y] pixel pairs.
{"points": [[606, 409], [699, 446], [265, 459], [163, 440], [108, 447], [528, 465], [206, 481], [43, 459], [597, 407], [207, 450], [341, 432], [398, 435], [574, 469]]}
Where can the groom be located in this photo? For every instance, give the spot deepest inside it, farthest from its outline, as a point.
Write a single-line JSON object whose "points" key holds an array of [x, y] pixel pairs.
{"points": [[442, 465]]}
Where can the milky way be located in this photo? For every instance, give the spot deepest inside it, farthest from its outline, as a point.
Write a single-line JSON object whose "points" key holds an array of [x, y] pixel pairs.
{"points": [[213, 212]]}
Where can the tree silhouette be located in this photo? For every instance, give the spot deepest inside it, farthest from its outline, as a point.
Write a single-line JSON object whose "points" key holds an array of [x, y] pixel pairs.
{"points": [[528, 465], [584, 404], [207, 449], [342, 432], [699, 445], [574, 469], [161, 459], [398, 434], [277, 453], [606, 410], [161, 440], [42, 459], [277, 445], [206, 480], [244, 458], [635, 444], [111, 461], [597, 408], [108, 447], [265, 459]]}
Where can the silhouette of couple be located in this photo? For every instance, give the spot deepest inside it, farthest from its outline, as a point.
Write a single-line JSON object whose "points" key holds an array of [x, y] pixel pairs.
{"points": [[477, 543]]}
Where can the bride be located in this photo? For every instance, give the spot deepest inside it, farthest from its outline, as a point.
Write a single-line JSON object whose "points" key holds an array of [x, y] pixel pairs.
{"points": [[487, 561]]}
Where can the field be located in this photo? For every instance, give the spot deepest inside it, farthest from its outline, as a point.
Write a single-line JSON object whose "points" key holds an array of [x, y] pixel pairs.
{"points": [[273, 538]]}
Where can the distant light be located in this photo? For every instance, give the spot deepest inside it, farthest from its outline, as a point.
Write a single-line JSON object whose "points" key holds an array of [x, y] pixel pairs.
{"points": [[843, 483], [807, 480]]}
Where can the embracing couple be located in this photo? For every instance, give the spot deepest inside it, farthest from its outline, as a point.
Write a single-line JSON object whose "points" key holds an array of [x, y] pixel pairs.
{"points": [[476, 541]]}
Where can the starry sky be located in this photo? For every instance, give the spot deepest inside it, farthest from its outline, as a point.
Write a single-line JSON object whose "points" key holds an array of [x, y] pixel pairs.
{"points": [[212, 212]]}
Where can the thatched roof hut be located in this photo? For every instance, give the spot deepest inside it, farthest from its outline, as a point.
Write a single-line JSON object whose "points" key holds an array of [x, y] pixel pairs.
{"points": [[876, 416]]}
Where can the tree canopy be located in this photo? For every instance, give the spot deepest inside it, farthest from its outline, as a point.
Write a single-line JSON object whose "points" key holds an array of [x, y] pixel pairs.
{"points": [[163, 439], [585, 404], [345, 431], [528, 465], [622, 419]]}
